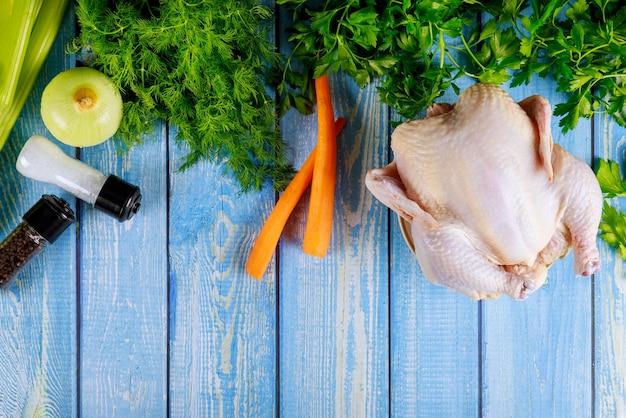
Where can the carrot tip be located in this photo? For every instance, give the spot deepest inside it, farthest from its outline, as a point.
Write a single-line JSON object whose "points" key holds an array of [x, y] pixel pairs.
{"points": [[315, 252]]}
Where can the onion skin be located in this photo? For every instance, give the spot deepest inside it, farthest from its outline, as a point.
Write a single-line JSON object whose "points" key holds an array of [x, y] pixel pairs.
{"points": [[81, 107]]}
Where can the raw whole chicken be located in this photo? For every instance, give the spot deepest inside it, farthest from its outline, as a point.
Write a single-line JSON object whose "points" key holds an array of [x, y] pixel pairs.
{"points": [[489, 200]]}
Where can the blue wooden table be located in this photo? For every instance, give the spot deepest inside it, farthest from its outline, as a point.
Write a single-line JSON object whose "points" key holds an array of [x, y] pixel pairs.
{"points": [[157, 317]]}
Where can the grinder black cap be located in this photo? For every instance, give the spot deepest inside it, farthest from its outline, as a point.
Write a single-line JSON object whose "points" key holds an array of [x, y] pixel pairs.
{"points": [[50, 216], [118, 198]]}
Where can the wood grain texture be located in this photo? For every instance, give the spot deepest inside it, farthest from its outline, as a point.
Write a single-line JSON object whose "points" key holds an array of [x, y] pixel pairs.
{"points": [[223, 322], [38, 312], [610, 295], [123, 289], [534, 350], [333, 311]]}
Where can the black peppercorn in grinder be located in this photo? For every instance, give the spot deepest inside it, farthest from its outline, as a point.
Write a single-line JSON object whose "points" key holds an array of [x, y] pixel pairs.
{"points": [[42, 224]]}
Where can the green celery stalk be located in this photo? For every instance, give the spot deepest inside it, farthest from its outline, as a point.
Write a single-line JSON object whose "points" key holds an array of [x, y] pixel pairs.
{"points": [[16, 20], [42, 36]]}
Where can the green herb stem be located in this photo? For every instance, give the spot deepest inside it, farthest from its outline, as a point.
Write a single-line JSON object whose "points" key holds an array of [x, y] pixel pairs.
{"points": [[469, 52]]}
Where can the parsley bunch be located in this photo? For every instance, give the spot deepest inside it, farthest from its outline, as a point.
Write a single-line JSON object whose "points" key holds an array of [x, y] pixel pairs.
{"points": [[199, 66], [401, 42], [419, 48]]}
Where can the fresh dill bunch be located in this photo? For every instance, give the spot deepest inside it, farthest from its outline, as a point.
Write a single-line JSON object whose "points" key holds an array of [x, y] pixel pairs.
{"points": [[200, 67]]}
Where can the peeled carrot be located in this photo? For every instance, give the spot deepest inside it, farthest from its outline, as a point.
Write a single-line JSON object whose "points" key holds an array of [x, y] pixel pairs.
{"points": [[321, 206], [266, 242]]}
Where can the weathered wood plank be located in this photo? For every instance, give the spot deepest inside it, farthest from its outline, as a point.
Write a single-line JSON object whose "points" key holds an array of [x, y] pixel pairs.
{"points": [[222, 331], [38, 312], [534, 350], [610, 296], [123, 289], [333, 311], [434, 336]]}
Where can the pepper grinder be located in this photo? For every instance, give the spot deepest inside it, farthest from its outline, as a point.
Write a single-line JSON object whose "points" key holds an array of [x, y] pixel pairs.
{"points": [[40, 226], [40, 159]]}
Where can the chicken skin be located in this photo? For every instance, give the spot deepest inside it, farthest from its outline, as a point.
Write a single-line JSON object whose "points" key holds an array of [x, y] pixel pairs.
{"points": [[488, 201]]}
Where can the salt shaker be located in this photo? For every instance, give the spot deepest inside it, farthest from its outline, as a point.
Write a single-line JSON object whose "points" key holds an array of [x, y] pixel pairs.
{"points": [[41, 225], [40, 159]]}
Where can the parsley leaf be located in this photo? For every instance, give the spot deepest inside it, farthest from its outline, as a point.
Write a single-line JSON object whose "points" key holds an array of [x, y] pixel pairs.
{"points": [[613, 228], [610, 179], [613, 224]]}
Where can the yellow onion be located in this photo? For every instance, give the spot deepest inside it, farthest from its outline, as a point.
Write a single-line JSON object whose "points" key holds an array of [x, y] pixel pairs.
{"points": [[81, 107]]}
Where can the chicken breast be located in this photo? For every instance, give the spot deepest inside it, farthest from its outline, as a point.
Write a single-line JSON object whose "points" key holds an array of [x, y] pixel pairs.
{"points": [[489, 200]]}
